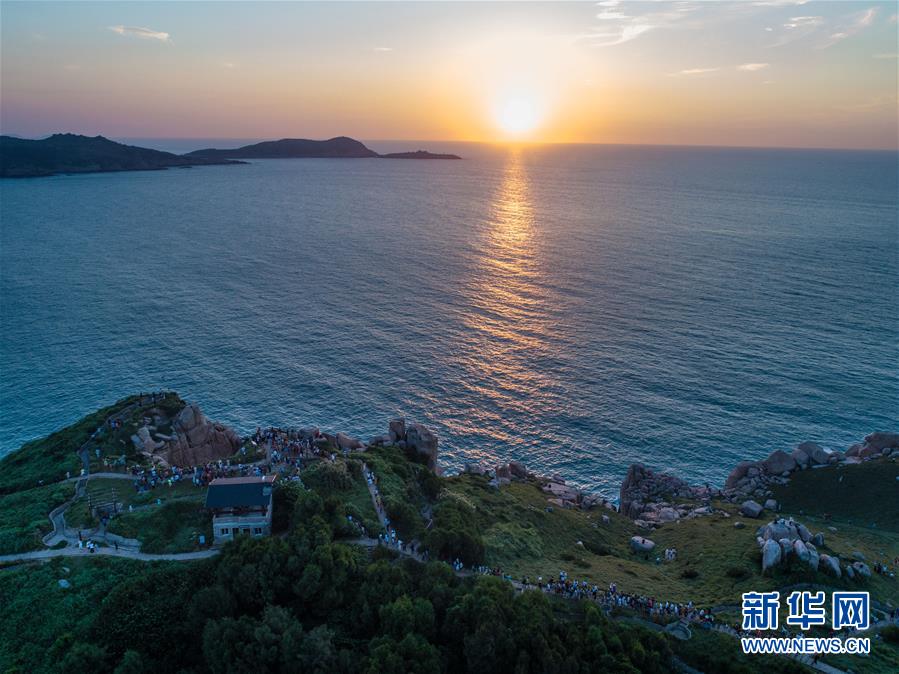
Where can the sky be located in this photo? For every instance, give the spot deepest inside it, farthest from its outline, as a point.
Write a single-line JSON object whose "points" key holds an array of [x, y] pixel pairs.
{"points": [[763, 73]]}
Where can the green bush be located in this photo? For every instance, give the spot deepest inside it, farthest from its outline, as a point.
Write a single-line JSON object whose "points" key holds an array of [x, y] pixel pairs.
{"points": [[455, 533]]}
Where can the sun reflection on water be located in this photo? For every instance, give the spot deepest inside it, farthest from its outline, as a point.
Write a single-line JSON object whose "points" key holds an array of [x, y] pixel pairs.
{"points": [[509, 314]]}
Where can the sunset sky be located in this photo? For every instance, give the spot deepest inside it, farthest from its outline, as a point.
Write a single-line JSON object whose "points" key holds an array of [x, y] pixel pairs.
{"points": [[765, 73]]}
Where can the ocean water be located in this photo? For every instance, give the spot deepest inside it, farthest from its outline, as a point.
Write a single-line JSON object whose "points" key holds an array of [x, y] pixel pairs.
{"points": [[578, 308]]}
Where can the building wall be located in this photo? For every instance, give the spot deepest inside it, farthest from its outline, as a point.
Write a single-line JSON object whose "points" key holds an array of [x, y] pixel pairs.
{"points": [[226, 525]]}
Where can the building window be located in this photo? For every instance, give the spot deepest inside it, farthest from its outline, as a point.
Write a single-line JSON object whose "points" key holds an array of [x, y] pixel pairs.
{"points": [[257, 531], [224, 532]]}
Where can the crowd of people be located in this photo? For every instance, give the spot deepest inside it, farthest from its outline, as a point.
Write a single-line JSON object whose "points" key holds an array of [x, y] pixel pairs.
{"points": [[148, 478], [609, 599]]}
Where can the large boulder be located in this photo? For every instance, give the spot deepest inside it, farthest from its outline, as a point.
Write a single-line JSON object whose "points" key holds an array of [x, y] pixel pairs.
{"points": [[188, 418], [800, 457], [802, 552], [779, 529], [668, 515], [751, 509], [640, 544], [502, 470], [804, 533], [397, 429], [779, 462], [738, 473], [147, 442], [424, 441], [560, 491], [813, 558], [882, 441], [771, 554], [861, 568], [830, 565], [518, 470], [347, 442], [816, 453]]}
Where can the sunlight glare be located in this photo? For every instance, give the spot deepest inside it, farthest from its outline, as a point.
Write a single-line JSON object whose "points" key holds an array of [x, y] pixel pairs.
{"points": [[518, 115]]}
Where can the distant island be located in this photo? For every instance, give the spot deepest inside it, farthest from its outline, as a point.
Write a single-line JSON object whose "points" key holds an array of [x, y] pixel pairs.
{"points": [[341, 147], [73, 153]]}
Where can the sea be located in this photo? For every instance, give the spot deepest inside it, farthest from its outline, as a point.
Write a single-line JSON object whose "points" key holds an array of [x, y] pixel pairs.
{"points": [[575, 307]]}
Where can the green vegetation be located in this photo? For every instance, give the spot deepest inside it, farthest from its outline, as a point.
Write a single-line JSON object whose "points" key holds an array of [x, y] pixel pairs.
{"points": [[24, 516], [864, 495], [715, 653], [48, 459], [715, 564], [305, 603], [406, 488], [343, 481], [308, 600], [883, 659], [172, 527]]}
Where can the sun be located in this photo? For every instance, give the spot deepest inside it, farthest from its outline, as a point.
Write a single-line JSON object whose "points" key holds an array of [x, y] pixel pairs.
{"points": [[518, 115]]}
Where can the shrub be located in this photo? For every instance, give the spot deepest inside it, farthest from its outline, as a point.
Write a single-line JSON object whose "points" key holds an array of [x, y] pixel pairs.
{"points": [[455, 533], [689, 574], [890, 634]]}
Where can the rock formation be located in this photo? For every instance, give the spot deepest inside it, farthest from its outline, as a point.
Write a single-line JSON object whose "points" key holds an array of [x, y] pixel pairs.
{"points": [[424, 441], [196, 440]]}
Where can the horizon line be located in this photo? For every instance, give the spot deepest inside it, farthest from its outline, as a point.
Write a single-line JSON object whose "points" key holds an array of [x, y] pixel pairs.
{"points": [[507, 142]]}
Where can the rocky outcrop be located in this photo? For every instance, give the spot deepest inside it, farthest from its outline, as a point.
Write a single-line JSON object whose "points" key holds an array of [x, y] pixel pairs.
{"points": [[647, 495], [196, 440], [397, 429], [424, 441], [792, 538], [882, 441], [779, 462]]}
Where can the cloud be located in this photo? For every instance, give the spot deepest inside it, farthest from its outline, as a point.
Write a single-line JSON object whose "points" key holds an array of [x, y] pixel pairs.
{"points": [[890, 55], [694, 71], [618, 23], [752, 67], [229, 65], [804, 22], [778, 3], [855, 24], [383, 49], [143, 33]]}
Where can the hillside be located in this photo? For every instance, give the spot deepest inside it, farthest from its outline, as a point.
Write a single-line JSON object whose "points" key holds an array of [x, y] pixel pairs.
{"points": [[333, 596], [72, 153]]}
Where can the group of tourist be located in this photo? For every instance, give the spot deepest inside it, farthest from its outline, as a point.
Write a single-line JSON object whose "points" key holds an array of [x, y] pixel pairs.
{"points": [[670, 554], [146, 479]]}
